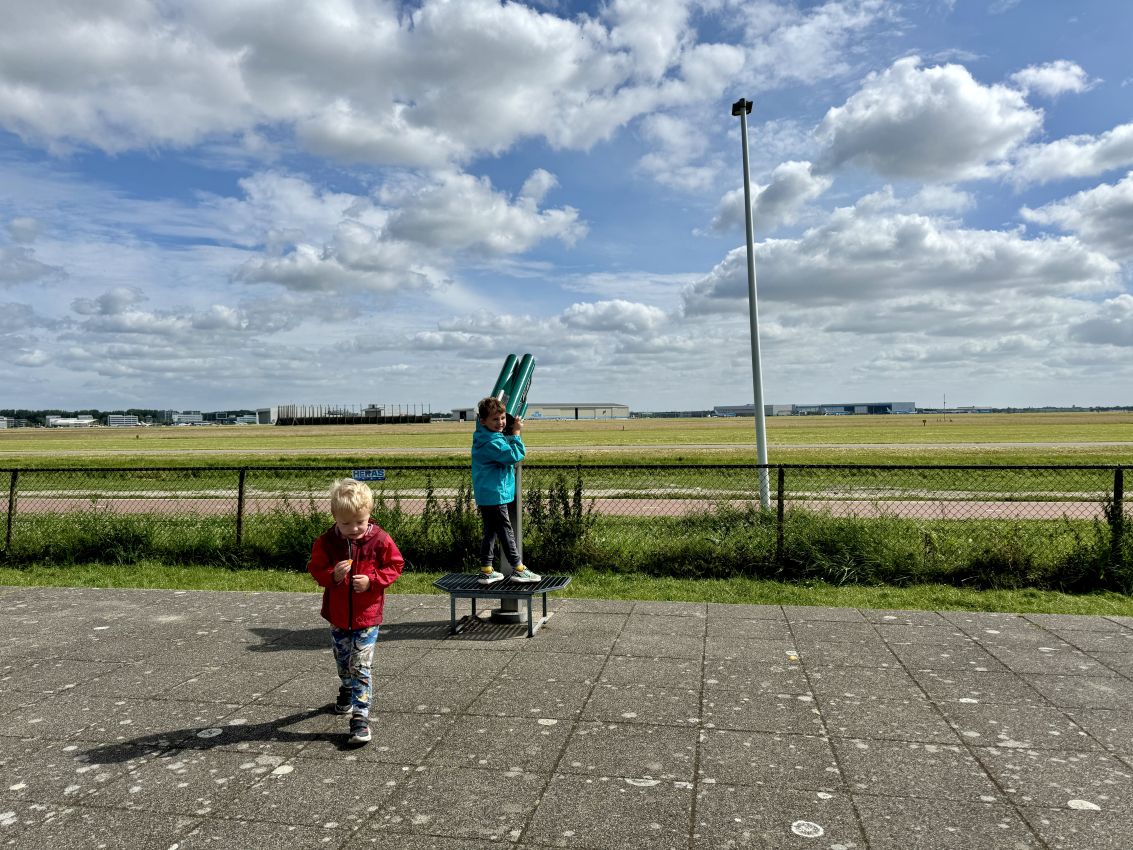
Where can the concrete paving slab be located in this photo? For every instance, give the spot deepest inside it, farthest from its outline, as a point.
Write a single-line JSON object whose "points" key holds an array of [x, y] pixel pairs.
{"points": [[216, 833], [1112, 729], [316, 792], [902, 769], [740, 630], [797, 762], [726, 611], [900, 617], [893, 720], [78, 828], [1070, 829], [502, 743], [488, 805], [864, 683], [958, 658], [744, 816], [632, 750], [779, 677], [643, 704], [1083, 691], [491, 737], [1078, 622], [896, 823], [1044, 778], [964, 687], [761, 712], [1017, 727], [612, 812]]}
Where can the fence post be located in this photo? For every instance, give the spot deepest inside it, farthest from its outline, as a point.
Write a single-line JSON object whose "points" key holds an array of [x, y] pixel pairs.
{"points": [[1117, 520], [240, 510], [779, 527], [11, 509]]}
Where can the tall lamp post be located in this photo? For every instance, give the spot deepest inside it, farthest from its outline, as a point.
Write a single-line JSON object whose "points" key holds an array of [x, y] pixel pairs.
{"points": [[742, 108]]}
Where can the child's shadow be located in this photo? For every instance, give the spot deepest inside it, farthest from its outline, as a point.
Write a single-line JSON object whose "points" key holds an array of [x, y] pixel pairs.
{"points": [[274, 731]]}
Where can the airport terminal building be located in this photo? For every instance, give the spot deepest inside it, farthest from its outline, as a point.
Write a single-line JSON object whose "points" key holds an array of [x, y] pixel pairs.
{"points": [[861, 408]]}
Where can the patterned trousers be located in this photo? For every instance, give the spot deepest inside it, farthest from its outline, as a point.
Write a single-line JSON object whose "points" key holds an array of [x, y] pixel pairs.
{"points": [[353, 659]]}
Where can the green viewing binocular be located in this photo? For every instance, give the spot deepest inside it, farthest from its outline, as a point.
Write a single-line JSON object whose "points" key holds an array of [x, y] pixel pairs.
{"points": [[512, 385]]}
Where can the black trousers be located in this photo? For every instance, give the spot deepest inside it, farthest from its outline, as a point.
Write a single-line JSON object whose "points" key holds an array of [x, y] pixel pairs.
{"points": [[497, 525]]}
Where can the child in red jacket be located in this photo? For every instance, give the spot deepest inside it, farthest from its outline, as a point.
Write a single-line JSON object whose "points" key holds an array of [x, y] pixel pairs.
{"points": [[355, 561]]}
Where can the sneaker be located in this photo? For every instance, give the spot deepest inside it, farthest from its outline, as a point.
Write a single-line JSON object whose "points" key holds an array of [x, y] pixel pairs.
{"points": [[342, 704], [359, 730], [490, 577], [521, 573]]}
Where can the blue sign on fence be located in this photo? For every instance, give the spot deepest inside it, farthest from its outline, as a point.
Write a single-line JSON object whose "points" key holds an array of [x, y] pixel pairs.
{"points": [[369, 475]]}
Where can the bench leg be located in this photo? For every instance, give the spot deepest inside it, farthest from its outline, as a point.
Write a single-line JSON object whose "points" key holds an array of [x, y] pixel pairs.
{"points": [[473, 607], [544, 606], [530, 629], [452, 614]]}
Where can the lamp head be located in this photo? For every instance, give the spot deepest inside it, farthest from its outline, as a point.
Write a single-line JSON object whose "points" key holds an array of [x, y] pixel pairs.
{"points": [[741, 104]]}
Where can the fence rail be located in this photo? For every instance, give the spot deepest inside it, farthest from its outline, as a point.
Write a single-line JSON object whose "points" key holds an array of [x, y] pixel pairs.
{"points": [[1061, 526]]}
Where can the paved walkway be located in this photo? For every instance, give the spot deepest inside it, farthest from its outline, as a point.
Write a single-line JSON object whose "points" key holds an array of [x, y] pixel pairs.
{"points": [[189, 719]]}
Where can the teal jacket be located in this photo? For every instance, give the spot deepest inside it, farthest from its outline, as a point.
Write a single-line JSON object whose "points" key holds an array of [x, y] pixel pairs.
{"points": [[494, 457]]}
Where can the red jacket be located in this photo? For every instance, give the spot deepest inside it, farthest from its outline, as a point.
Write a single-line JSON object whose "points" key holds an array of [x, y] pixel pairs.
{"points": [[375, 555]]}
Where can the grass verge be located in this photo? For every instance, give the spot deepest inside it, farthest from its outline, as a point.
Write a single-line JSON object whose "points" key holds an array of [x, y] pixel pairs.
{"points": [[588, 584]]}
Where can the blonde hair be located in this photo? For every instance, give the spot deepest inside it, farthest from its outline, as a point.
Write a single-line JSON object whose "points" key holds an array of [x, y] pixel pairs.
{"points": [[350, 497]]}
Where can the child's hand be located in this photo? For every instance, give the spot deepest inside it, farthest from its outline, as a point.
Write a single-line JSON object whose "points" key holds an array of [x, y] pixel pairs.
{"points": [[340, 570], [516, 425], [361, 584]]}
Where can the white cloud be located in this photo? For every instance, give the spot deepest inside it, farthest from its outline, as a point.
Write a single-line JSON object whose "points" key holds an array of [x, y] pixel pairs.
{"points": [[618, 315], [940, 198], [113, 302], [1113, 325], [1075, 156], [1053, 78], [931, 123], [792, 185], [24, 230], [864, 253], [411, 241], [1102, 217], [787, 44], [19, 265], [680, 143], [371, 81]]}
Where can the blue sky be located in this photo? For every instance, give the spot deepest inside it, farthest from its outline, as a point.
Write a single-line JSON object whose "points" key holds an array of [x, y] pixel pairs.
{"points": [[245, 203]]}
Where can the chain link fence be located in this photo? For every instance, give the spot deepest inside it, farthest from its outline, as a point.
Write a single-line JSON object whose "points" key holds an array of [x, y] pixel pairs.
{"points": [[1063, 527]]}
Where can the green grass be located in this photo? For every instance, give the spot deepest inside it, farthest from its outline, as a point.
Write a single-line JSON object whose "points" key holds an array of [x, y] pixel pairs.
{"points": [[592, 585], [369, 440]]}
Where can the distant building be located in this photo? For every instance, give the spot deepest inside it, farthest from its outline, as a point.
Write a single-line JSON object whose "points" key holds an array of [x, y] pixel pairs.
{"points": [[188, 418], [247, 420], [84, 421], [267, 415], [115, 420], [855, 408], [9, 422], [578, 410]]}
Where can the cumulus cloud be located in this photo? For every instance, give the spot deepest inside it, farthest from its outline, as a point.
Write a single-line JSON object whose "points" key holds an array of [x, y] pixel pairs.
{"points": [[792, 185], [1113, 325], [1075, 156], [1052, 79], [866, 252], [19, 265], [618, 315], [24, 230], [409, 243], [113, 302], [1102, 217], [934, 123], [680, 144], [369, 81]]}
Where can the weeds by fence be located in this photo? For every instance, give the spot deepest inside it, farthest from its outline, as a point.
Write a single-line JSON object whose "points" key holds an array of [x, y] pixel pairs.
{"points": [[1049, 527]]}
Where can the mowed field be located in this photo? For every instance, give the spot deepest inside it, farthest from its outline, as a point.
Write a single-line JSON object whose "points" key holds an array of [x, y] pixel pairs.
{"points": [[975, 438]]}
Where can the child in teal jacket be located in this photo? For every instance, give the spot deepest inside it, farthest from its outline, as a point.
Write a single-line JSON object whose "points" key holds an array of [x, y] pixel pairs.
{"points": [[494, 456]]}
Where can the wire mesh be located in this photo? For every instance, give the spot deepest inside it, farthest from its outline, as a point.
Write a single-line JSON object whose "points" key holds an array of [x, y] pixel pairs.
{"points": [[1039, 525]]}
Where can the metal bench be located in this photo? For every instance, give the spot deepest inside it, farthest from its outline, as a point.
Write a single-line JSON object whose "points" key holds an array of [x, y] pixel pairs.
{"points": [[465, 586]]}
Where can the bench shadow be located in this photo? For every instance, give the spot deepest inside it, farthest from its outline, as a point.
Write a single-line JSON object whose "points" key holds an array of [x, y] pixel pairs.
{"points": [[274, 731]]}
